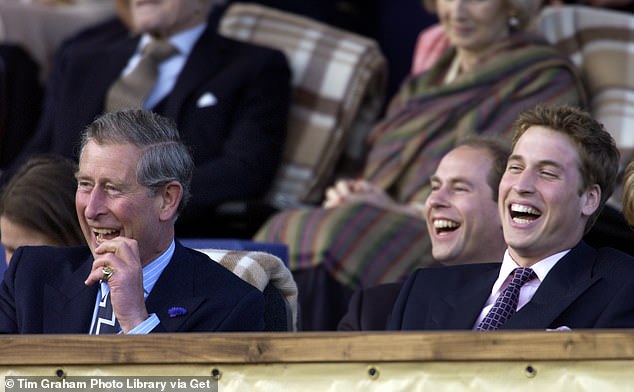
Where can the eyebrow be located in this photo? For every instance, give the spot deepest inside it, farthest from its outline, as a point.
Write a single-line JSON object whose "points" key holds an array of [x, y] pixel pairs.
{"points": [[80, 176], [453, 180], [544, 162]]}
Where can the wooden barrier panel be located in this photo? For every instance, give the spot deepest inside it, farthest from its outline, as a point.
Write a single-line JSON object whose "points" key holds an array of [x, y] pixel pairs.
{"points": [[402, 361]]}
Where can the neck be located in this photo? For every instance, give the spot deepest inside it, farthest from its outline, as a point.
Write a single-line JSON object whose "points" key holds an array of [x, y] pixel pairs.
{"points": [[166, 34], [466, 60], [154, 251]]}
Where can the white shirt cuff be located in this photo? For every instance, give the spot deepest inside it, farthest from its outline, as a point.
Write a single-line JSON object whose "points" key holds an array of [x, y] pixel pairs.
{"points": [[145, 327]]}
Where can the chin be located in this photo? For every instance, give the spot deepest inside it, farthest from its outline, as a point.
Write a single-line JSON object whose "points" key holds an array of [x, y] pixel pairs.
{"points": [[444, 257]]}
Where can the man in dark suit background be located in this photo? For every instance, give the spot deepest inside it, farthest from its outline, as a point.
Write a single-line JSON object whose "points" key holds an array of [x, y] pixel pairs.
{"points": [[229, 99], [561, 171], [461, 215], [133, 181]]}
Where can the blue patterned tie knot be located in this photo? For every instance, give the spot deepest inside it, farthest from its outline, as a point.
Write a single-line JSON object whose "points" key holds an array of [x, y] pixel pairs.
{"points": [[506, 304]]}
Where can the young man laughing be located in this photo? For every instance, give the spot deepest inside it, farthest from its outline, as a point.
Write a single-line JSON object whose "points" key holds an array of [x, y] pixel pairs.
{"points": [[561, 171]]}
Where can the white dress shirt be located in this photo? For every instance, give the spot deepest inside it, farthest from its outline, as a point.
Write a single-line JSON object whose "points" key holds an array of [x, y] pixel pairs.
{"points": [[541, 269]]}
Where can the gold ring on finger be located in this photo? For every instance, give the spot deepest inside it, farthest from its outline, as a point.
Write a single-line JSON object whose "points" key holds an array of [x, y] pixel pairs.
{"points": [[106, 272]]}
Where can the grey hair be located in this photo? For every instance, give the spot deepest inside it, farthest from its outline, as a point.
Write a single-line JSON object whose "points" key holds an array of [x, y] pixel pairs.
{"points": [[164, 157]]}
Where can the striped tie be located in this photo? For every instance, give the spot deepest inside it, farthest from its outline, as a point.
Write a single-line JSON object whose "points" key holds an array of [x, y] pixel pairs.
{"points": [[506, 304]]}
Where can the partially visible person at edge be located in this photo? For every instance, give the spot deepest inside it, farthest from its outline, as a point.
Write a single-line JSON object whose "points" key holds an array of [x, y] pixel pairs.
{"points": [[462, 220], [37, 207], [562, 170], [133, 181], [371, 230], [628, 193]]}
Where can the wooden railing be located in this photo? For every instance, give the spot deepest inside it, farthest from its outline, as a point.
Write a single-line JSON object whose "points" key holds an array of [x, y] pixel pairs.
{"points": [[435, 361]]}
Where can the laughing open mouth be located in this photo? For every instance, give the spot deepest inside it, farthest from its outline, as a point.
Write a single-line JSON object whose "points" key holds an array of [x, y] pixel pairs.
{"points": [[102, 235], [524, 214], [445, 225]]}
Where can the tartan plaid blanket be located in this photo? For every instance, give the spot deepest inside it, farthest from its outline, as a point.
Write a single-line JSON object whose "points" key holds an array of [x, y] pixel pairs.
{"points": [[338, 89], [601, 44], [258, 269]]}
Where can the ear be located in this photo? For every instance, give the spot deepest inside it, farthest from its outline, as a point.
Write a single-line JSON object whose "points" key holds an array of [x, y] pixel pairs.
{"points": [[170, 198], [590, 199]]}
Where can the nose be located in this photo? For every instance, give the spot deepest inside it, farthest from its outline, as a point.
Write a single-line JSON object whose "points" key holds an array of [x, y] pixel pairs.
{"points": [[437, 198], [524, 182], [94, 203]]}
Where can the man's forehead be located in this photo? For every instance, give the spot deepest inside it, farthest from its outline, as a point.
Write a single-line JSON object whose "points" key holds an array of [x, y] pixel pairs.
{"points": [[545, 147], [465, 163], [109, 159]]}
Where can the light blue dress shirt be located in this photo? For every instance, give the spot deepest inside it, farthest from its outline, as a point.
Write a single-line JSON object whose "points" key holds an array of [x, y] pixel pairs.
{"points": [[151, 273], [170, 68]]}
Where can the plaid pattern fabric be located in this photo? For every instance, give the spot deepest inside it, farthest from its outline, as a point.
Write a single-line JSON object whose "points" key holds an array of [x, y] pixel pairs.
{"points": [[425, 121], [505, 305], [258, 269], [338, 88], [359, 244], [600, 42]]}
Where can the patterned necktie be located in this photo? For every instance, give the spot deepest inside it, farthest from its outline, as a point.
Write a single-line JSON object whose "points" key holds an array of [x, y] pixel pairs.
{"points": [[106, 321], [132, 90], [506, 304]]}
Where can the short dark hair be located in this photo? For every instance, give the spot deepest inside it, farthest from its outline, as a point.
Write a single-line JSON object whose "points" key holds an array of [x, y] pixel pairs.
{"points": [[598, 154]]}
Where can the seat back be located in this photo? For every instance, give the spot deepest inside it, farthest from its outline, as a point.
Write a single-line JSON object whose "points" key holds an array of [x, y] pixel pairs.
{"points": [[21, 97], [338, 87], [271, 276], [275, 248], [601, 43]]}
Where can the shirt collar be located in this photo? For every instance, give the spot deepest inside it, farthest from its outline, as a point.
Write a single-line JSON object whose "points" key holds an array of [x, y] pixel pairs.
{"points": [[541, 268], [153, 270], [183, 41]]}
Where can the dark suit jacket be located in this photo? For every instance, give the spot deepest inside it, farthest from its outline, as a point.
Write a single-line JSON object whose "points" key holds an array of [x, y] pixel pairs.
{"points": [[369, 309], [236, 144], [44, 292], [587, 288], [21, 96]]}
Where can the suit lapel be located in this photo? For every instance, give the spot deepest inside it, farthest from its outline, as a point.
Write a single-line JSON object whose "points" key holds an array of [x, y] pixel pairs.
{"points": [[568, 279], [68, 308], [111, 62], [460, 308], [206, 57], [174, 290]]}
